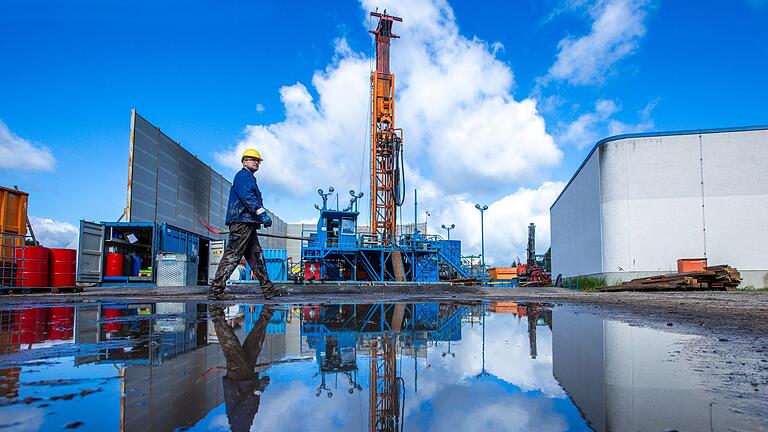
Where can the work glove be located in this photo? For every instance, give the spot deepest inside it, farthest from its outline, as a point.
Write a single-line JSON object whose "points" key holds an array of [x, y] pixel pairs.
{"points": [[265, 220]]}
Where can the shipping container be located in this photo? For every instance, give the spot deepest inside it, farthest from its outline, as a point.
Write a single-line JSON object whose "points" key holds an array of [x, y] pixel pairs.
{"points": [[125, 253], [13, 224], [13, 211]]}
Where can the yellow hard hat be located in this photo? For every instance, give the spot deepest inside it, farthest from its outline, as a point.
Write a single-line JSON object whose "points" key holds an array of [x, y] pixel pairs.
{"points": [[251, 153]]}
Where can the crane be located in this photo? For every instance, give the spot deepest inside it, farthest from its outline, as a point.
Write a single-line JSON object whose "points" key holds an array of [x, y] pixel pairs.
{"points": [[387, 183]]}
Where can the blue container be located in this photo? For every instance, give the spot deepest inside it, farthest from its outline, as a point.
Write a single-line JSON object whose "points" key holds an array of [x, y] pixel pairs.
{"points": [[277, 265], [175, 240], [135, 265]]}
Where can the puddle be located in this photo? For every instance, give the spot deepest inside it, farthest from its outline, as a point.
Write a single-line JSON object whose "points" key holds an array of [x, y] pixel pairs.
{"points": [[424, 366]]}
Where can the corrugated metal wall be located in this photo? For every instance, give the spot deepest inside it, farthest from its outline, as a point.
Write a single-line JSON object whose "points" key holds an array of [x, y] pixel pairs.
{"points": [[166, 183], [646, 201]]}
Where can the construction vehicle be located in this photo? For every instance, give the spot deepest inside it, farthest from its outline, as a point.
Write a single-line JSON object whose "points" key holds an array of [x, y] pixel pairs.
{"points": [[533, 273]]}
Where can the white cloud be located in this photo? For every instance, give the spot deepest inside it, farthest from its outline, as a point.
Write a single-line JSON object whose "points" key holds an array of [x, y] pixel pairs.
{"points": [[52, 233], [587, 128], [19, 153], [464, 132], [592, 126], [617, 27], [320, 142], [463, 127], [506, 221], [260, 108]]}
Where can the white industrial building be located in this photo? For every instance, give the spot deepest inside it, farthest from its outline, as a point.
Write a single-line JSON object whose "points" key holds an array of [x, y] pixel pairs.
{"points": [[640, 202]]}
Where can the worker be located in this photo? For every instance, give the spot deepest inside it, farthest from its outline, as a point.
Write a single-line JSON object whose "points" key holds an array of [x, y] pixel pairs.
{"points": [[245, 215]]}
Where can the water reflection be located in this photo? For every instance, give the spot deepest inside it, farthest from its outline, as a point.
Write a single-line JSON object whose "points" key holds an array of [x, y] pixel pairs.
{"points": [[378, 367], [243, 385]]}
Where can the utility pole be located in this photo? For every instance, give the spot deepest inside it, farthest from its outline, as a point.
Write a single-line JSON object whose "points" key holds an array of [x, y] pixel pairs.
{"points": [[482, 237]]}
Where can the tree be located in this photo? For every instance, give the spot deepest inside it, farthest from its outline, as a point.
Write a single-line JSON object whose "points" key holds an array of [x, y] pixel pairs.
{"points": [[548, 260]]}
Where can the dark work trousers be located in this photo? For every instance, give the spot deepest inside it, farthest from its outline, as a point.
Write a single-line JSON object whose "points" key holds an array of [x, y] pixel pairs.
{"points": [[242, 384], [243, 241]]}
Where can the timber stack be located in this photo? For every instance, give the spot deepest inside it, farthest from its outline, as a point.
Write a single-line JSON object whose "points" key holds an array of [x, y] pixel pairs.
{"points": [[713, 278]]}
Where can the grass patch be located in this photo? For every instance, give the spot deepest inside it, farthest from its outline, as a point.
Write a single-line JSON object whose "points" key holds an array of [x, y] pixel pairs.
{"points": [[586, 283]]}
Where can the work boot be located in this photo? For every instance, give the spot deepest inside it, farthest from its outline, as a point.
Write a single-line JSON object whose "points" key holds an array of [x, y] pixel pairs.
{"points": [[217, 293]]}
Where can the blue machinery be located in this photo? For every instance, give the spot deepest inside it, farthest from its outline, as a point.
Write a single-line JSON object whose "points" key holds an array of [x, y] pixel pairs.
{"points": [[337, 251]]}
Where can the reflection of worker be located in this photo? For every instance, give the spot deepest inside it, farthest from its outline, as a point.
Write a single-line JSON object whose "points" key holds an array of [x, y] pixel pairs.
{"points": [[242, 384], [245, 214]]}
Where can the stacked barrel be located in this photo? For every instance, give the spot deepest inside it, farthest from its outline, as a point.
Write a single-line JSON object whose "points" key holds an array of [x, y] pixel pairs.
{"points": [[38, 266]]}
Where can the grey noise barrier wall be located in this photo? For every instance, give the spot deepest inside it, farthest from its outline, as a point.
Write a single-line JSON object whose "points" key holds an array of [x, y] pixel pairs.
{"points": [[166, 183]]}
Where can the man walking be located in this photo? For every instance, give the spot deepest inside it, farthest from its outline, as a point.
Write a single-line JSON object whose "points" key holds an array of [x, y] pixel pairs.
{"points": [[245, 214]]}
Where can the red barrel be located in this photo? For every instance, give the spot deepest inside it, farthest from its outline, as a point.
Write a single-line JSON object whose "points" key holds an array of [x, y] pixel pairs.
{"points": [[109, 313], [62, 267], [115, 264], [32, 325], [61, 321], [32, 263]]}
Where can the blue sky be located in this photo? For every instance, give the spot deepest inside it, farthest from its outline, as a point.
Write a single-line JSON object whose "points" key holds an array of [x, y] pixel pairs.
{"points": [[500, 101]]}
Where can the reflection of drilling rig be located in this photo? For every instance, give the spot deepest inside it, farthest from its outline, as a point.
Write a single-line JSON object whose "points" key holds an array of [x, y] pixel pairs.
{"points": [[386, 196], [384, 397], [386, 140]]}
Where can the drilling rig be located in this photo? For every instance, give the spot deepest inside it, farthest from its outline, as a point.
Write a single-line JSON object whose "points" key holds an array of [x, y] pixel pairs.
{"points": [[387, 181], [337, 249]]}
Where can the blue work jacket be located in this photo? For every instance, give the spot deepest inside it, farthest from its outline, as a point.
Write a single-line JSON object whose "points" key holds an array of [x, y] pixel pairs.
{"points": [[244, 199]]}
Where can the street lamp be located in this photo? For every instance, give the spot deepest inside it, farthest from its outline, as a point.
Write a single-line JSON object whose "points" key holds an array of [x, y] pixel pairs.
{"points": [[482, 237], [449, 228]]}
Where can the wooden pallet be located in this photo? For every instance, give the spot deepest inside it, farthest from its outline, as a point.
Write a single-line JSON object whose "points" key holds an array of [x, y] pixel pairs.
{"points": [[713, 278]]}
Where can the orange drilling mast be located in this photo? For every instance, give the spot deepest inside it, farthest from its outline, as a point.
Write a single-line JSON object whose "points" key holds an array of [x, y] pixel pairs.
{"points": [[387, 184]]}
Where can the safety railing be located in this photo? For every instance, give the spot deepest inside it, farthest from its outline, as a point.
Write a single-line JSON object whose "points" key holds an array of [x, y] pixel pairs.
{"points": [[17, 261]]}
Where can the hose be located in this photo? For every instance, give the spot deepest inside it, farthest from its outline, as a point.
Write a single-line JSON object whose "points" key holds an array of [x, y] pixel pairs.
{"points": [[399, 174]]}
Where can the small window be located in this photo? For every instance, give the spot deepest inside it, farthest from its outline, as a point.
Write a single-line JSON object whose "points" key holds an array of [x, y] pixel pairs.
{"points": [[347, 226]]}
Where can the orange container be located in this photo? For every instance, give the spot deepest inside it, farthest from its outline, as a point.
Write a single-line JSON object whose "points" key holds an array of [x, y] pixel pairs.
{"points": [[691, 264], [503, 273], [13, 223]]}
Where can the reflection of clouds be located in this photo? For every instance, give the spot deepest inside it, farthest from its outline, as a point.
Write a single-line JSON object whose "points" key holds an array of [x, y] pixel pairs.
{"points": [[18, 419], [506, 356], [511, 361], [520, 394], [295, 400], [490, 406]]}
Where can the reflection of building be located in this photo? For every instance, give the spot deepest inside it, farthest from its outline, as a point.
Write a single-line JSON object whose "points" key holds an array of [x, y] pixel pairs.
{"points": [[621, 377]]}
